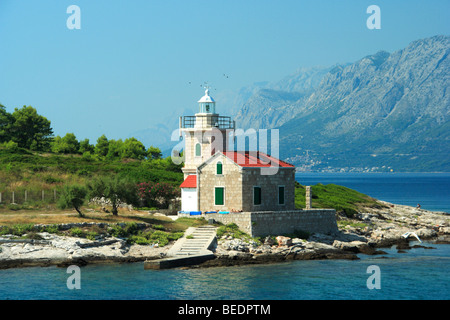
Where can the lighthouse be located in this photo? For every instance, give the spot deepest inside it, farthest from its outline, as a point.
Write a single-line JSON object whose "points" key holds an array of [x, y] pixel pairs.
{"points": [[204, 134]]}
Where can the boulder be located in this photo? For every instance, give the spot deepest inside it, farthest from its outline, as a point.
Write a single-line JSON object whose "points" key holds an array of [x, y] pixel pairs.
{"points": [[426, 233], [269, 240], [284, 241], [353, 246]]}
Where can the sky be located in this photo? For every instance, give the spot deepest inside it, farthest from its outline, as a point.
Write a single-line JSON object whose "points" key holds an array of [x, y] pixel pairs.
{"points": [[134, 63]]}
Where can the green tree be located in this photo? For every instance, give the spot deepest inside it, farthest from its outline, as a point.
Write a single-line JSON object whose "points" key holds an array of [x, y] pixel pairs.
{"points": [[66, 144], [154, 153], [11, 146], [73, 196], [157, 194], [6, 120], [102, 146], [134, 149], [30, 130], [117, 190], [85, 146], [114, 149]]}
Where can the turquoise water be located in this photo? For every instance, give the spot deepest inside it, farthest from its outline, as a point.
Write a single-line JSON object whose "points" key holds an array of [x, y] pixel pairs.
{"points": [[415, 275], [418, 274]]}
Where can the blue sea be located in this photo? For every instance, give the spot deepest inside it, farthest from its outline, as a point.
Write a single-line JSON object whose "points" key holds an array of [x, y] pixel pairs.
{"points": [[418, 274]]}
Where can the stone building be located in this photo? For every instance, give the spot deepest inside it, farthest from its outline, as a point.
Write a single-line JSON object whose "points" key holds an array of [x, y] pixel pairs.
{"points": [[249, 188], [217, 179]]}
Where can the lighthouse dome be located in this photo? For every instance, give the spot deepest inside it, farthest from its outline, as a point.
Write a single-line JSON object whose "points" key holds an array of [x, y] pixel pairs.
{"points": [[207, 103], [206, 97]]}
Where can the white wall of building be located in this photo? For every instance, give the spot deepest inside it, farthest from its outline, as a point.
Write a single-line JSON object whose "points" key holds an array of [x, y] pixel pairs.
{"points": [[189, 199]]}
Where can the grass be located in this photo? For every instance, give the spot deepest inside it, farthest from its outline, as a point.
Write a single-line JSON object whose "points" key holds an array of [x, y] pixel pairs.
{"points": [[161, 230], [233, 230], [343, 223], [332, 196]]}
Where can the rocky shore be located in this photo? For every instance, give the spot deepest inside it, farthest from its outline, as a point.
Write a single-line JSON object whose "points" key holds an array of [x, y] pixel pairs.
{"points": [[367, 233]]}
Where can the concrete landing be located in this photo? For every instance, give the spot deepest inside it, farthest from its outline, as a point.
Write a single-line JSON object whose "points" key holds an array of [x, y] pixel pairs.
{"points": [[193, 248]]}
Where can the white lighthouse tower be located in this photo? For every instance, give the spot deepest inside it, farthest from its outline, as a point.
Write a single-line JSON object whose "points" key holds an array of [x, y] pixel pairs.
{"points": [[204, 134]]}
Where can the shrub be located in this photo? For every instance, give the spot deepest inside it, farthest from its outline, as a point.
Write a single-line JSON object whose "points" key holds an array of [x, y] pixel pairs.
{"points": [[51, 180], [77, 232], [124, 230], [115, 189], [160, 237], [20, 229], [91, 235], [157, 194], [15, 206], [73, 196], [10, 146], [158, 227], [4, 230], [231, 230], [51, 229], [135, 239]]}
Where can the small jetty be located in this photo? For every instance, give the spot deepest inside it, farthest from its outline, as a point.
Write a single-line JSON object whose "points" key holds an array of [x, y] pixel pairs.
{"points": [[196, 246]]}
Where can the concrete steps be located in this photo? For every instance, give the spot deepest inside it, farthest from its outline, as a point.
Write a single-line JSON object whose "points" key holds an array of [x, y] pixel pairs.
{"points": [[195, 241], [194, 247]]}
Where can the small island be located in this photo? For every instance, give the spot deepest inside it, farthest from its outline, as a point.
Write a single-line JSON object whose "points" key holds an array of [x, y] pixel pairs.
{"points": [[365, 226], [65, 202]]}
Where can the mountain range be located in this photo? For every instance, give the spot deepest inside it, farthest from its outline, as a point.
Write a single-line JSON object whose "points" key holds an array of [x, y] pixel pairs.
{"points": [[384, 112]]}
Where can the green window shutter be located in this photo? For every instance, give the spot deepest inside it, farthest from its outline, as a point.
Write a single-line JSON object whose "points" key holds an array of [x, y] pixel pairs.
{"points": [[198, 150], [219, 168], [219, 196], [280, 195], [256, 195]]}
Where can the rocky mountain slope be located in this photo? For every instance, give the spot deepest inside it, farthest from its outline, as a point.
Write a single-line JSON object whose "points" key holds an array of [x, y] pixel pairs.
{"points": [[385, 111]]}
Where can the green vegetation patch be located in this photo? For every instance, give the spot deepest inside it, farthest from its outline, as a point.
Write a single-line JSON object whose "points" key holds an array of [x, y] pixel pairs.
{"points": [[343, 199], [233, 230]]}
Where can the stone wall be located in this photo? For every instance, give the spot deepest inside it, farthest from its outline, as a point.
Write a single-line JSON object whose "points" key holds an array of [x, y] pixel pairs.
{"points": [[231, 179], [209, 139], [239, 183], [269, 189], [259, 224]]}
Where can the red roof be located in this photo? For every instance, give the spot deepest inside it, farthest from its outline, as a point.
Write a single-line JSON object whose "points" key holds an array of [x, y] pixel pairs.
{"points": [[189, 182], [256, 159]]}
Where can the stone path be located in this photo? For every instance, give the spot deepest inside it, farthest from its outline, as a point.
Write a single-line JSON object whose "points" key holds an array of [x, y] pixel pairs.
{"points": [[193, 248], [195, 241]]}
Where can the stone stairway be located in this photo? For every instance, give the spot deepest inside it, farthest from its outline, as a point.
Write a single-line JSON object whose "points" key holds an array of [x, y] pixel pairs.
{"points": [[195, 241], [193, 248]]}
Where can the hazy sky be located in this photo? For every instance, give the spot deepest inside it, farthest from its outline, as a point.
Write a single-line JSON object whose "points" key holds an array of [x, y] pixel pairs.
{"points": [[134, 62]]}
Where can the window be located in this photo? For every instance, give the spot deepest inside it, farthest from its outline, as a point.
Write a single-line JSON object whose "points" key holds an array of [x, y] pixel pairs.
{"points": [[198, 150], [280, 194], [207, 108], [219, 196], [256, 196], [219, 168]]}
